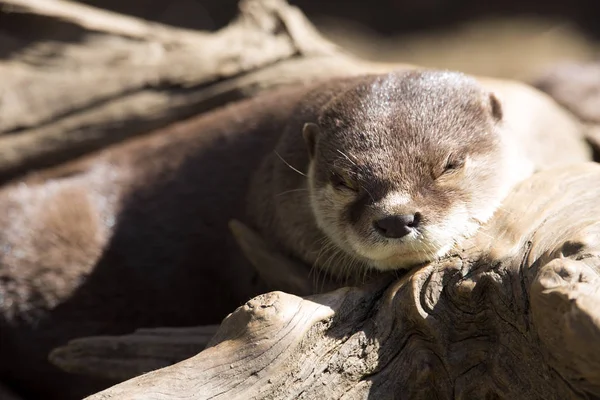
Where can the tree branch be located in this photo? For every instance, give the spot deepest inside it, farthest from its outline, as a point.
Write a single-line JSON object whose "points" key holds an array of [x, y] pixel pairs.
{"points": [[123, 357]]}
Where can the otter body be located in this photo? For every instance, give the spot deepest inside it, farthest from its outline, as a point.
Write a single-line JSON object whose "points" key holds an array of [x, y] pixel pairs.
{"points": [[136, 235]]}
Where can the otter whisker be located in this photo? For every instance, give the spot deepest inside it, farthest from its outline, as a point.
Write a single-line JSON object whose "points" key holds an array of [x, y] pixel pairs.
{"points": [[353, 270], [366, 271], [326, 247], [343, 267], [289, 165], [331, 262], [350, 264], [314, 274], [347, 158], [369, 193], [412, 246], [324, 244], [328, 264], [292, 191]]}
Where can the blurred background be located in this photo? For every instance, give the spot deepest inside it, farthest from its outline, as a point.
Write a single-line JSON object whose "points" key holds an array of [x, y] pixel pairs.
{"points": [[504, 38]]}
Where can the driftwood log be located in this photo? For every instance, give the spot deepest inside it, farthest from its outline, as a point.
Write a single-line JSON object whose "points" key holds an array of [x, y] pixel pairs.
{"points": [[124, 77], [120, 76], [514, 315], [123, 357]]}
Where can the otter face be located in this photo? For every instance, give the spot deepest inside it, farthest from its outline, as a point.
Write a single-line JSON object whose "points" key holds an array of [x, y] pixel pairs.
{"points": [[411, 168]]}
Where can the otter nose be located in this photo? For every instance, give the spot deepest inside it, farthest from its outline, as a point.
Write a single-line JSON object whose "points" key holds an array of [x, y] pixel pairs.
{"points": [[397, 226]]}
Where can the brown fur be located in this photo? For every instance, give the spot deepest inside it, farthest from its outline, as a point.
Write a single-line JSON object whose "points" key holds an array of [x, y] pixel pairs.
{"points": [[386, 134], [135, 236]]}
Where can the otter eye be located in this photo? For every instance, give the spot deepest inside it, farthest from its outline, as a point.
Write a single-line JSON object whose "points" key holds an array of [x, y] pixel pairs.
{"points": [[341, 182], [453, 163]]}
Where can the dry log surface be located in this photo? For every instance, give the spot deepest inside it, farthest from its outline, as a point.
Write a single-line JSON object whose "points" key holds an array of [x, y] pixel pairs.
{"points": [[512, 315], [124, 76], [124, 357]]}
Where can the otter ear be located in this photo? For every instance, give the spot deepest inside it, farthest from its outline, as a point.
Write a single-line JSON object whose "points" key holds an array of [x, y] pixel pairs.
{"points": [[495, 107], [278, 271], [310, 132]]}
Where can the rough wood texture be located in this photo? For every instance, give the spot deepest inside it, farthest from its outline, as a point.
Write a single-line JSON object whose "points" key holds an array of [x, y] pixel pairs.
{"points": [[124, 76], [123, 357], [514, 315]]}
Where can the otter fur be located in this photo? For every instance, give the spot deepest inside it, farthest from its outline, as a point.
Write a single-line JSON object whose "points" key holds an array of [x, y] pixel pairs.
{"points": [[386, 171]]}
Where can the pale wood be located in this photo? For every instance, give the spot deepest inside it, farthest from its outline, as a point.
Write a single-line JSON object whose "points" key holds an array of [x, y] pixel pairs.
{"points": [[515, 314], [123, 357], [91, 18], [126, 77]]}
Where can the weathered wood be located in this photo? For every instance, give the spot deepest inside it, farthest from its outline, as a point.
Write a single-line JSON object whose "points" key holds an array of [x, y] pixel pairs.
{"points": [[125, 76], [515, 314], [123, 357]]}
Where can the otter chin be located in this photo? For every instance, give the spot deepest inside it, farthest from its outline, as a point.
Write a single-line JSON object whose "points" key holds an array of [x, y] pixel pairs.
{"points": [[419, 168], [399, 169]]}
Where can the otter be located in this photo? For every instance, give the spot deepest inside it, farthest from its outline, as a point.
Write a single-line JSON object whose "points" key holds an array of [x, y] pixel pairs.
{"points": [[386, 171], [137, 235]]}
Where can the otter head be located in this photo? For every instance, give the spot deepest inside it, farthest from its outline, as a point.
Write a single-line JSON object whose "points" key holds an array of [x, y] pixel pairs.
{"points": [[405, 165]]}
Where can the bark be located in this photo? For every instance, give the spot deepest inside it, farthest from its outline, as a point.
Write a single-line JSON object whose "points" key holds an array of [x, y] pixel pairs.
{"points": [[123, 357], [515, 314], [124, 76]]}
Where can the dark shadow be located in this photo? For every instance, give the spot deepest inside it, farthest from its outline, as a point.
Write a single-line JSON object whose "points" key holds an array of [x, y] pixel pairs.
{"points": [[392, 17], [206, 15], [388, 17], [19, 30]]}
